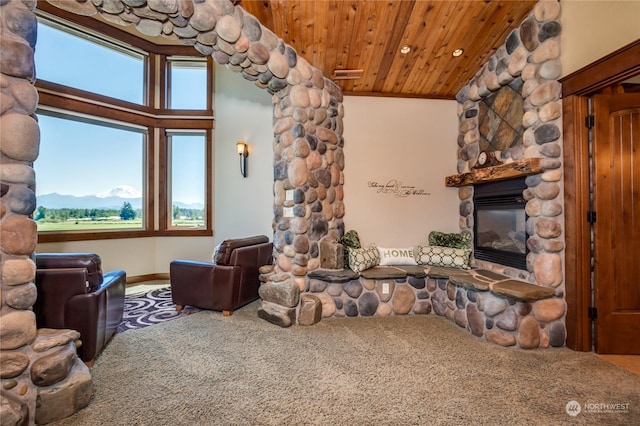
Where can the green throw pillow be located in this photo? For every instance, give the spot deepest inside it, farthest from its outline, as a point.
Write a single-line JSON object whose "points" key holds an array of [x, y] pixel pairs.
{"points": [[349, 239], [453, 240]]}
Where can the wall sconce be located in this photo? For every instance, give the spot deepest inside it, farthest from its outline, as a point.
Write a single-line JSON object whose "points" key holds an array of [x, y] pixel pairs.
{"points": [[244, 153]]}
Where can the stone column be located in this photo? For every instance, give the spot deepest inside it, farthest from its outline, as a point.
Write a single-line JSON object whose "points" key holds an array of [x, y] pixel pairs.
{"points": [[19, 142], [531, 54], [34, 364]]}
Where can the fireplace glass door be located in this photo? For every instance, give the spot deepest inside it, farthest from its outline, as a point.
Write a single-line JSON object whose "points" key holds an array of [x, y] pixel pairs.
{"points": [[499, 220]]}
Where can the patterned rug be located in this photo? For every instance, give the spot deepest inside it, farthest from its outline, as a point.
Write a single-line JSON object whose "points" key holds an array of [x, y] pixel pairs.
{"points": [[155, 306]]}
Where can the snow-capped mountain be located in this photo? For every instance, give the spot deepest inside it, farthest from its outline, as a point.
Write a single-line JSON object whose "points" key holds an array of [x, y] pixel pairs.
{"points": [[112, 199], [62, 201], [121, 191]]}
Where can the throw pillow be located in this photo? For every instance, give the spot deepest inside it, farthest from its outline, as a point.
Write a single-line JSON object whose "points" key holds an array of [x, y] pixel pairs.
{"points": [[453, 240], [349, 239], [396, 256], [443, 256], [363, 258]]}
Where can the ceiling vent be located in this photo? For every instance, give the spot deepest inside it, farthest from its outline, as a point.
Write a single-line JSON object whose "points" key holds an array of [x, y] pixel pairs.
{"points": [[347, 74]]}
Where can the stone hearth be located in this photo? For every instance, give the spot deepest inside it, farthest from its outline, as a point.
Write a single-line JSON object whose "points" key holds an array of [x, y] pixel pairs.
{"points": [[502, 310]]}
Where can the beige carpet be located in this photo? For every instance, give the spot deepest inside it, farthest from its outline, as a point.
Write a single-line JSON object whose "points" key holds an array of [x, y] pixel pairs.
{"points": [[206, 369]]}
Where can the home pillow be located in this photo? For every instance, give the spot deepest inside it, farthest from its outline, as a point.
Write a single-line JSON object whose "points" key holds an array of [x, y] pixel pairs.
{"points": [[396, 256], [363, 258], [453, 240], [443, 256]]}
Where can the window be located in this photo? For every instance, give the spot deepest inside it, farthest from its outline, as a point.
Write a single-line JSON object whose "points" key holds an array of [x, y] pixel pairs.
{"points": [[187, 193], [90, 174], [115, 71], [187, 83], [98, 175]]}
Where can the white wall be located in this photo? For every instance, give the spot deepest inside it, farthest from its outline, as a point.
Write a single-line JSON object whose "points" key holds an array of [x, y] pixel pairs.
{"points": [[592, 29], [243, 206], [412, 141]]}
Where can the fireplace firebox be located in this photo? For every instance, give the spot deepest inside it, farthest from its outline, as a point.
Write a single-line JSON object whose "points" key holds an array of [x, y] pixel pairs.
{"points": [[500, 234]]}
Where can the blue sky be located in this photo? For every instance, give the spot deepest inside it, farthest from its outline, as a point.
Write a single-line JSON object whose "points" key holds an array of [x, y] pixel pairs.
{"points": [[115, 155]]}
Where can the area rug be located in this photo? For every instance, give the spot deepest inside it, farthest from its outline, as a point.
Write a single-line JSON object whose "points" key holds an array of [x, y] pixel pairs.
{"points": [[153, 307]]}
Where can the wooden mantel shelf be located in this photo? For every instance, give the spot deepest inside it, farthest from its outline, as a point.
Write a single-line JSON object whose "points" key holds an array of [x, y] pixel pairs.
{"points": [[524, 167]]}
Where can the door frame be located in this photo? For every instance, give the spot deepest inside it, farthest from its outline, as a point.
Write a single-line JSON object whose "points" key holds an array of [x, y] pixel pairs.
{"points": [[576, 89]]}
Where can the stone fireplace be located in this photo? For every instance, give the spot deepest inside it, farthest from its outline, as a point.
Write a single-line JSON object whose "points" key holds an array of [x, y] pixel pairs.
{"points": [[523, 73]]}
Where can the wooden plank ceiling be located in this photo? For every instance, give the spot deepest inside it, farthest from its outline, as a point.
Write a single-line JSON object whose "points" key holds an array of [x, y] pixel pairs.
{"points": [[367, 35]]}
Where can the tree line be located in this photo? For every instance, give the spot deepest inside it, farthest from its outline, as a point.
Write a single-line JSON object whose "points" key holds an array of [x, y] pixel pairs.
{"points": [[126, 212]]}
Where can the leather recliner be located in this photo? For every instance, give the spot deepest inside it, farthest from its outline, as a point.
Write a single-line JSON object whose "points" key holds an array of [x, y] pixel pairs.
{"points": [[228, 283], [73, 293]]}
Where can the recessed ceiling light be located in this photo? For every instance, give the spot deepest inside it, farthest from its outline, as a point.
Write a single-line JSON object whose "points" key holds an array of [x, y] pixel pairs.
{"points": [[405, 49], [457, 52]]}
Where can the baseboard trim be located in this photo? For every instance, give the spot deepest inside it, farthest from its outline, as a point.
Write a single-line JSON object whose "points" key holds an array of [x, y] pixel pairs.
{"points": [[148, 277]]}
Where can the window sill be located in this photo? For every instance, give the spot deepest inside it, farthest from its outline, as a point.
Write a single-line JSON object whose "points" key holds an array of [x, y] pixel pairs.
{"points": [[48, 237]]}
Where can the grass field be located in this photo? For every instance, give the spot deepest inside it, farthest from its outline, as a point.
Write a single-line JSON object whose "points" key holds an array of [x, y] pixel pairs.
{"points": [[108, 225], [89, 225]]}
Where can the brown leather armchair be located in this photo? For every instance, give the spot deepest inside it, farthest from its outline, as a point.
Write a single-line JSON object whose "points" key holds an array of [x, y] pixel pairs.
{"points": [[73, 293], [228, 283]]}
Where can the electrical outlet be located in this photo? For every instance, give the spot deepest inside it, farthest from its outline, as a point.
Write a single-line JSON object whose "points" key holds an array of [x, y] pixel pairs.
{"points": [[385, 288], [287, 211], [288, 194]]}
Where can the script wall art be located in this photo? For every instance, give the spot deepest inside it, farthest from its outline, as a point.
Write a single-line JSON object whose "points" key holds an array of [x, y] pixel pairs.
{"points": [[396, 188]]}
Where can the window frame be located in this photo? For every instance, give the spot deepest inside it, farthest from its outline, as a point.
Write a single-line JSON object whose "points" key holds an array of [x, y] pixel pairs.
{"points": [[165, 198], [108, 42], [165, 94], [154, 116]]}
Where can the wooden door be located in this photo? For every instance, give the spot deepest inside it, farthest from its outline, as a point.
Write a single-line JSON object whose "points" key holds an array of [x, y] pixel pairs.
{"points": [[616, 180]]}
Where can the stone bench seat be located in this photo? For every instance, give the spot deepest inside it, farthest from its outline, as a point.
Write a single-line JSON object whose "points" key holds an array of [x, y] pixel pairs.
{"points": [[500, 285], [472, 279], [521, 291], [501, 309]]}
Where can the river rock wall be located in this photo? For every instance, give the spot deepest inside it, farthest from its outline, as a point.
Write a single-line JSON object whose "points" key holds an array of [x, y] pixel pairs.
{"points": [[42, 378], [529, 60]]}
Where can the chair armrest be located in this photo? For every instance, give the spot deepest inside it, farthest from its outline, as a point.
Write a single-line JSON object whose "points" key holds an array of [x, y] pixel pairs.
{"points": [[55, 287], [114, 286], [89, 261], [204, 284], [96, 315], [113, 278], [85, 313]]}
